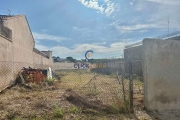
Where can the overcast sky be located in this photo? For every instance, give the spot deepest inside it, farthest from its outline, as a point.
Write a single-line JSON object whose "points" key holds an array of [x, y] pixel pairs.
{"points": [[71, 27]]}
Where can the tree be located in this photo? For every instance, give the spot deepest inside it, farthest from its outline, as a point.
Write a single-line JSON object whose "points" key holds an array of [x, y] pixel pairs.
{"points": [[56, 59], [71, 59]]}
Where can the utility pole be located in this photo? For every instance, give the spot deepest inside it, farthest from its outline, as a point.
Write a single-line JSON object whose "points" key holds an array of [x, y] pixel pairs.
{"points": [[168, 26]]}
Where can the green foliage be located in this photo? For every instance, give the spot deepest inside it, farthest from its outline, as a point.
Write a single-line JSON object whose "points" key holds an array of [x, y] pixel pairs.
{"points": [[93, 91], [75, 109], [71, 59], [50, 81], [58, 113]]}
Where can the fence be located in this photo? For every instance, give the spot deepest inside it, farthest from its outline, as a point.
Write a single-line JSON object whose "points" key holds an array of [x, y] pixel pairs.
{"points": [[116, 82], [136, 85], [109, 87], [9, 71], [97, 87]]}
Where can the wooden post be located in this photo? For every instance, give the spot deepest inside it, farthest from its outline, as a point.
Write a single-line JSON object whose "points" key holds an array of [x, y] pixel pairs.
{"points": [[131, 86]]}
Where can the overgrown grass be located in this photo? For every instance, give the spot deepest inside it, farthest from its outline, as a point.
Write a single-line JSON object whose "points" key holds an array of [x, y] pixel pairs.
{"points": [[120, 105], [11, 115], [58, 112], [75, 80], [74, 109], [103, 88], [50, 81]]}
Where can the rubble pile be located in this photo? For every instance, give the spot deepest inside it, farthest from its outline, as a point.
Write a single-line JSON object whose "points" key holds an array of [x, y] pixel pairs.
{"points": [[33, 75]]}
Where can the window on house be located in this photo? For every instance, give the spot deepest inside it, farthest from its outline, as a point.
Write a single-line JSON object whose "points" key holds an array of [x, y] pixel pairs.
{"points": [[4, 31]]}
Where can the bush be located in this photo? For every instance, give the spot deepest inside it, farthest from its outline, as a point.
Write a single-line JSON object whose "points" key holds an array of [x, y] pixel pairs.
{"points": [[50, 81], [58, 112]]}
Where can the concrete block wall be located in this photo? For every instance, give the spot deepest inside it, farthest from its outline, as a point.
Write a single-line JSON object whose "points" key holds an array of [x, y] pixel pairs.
{"points": [[134, 54], [161, 70], [62, 66]]}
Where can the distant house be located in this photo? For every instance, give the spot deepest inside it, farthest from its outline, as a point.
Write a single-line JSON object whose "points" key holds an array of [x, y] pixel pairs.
{"points": [[62, 60], [17, 47]]}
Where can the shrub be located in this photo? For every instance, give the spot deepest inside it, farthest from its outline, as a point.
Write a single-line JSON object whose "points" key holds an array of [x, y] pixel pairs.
{"points": [[58, 112], [50, 81]]}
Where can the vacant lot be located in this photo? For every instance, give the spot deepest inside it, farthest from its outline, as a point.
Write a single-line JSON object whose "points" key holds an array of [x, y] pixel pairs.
{"points": [[78, 95]]}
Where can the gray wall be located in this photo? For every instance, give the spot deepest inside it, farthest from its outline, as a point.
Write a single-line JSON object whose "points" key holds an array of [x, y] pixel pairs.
{"points": [[62, 66], [161, 69], [110, 66], [134, 54]]}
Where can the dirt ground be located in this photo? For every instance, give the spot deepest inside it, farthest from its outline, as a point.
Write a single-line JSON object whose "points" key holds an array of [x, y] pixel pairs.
{"points": [[83, 96]]}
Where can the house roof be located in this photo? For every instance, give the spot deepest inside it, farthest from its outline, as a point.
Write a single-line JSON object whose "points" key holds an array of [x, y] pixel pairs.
{"points": [[5, 16], [14, 16]]}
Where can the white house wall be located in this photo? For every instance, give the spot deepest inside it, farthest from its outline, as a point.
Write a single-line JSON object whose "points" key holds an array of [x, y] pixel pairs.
{"points": [[18, 52]]}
